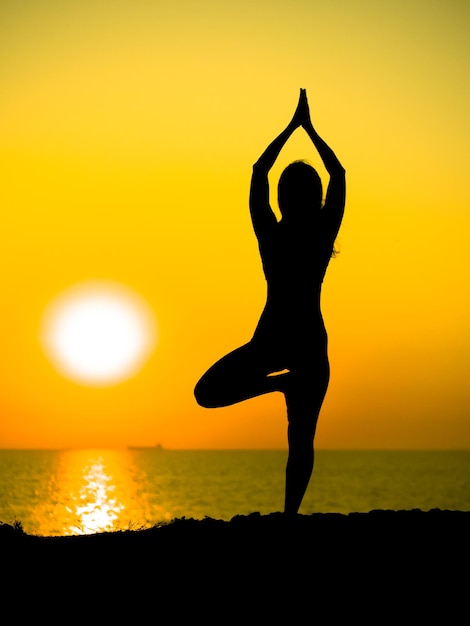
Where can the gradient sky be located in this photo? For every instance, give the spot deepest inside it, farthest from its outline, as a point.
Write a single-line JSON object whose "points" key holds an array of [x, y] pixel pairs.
{"points": [[128, 130]]}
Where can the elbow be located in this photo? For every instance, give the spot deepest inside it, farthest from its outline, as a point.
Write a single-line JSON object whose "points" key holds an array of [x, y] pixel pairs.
{"points": [[260, 171], [338, 172], [261, 167]]}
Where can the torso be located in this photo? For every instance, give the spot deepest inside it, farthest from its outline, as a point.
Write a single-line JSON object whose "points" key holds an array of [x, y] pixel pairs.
{"points": [[294, 264]]}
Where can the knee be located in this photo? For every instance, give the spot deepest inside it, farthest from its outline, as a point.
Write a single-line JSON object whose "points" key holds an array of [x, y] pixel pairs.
{"points": [[201, 395], [206, 394], [301, 435]]}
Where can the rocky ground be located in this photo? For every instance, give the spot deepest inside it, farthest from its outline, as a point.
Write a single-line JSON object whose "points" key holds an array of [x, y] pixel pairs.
{"points": [[325, 568]]}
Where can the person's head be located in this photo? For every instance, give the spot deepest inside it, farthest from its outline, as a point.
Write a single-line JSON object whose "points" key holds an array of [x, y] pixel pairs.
{"points": [[299, 190]]}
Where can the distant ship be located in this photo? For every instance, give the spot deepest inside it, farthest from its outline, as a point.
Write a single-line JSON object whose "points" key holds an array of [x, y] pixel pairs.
{"points": [[157, 446]]}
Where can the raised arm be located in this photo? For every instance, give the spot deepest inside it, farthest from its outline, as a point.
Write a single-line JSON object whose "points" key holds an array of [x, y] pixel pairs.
{"points": [[262, 215], [336, 191]]}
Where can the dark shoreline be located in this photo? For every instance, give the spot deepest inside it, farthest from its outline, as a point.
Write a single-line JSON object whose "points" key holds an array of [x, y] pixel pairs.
{"points": [[257, 565]]}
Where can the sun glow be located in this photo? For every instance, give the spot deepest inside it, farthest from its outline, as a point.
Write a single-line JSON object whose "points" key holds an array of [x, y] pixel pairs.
{"points": [[98, 333]]}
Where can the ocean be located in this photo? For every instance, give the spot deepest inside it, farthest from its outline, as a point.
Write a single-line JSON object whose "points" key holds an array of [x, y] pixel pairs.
{"points": [[70, 492]]}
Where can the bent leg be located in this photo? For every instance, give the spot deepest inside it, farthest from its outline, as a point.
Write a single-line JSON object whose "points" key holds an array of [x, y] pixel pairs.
{"points": [[240, 375], [304, 400]]}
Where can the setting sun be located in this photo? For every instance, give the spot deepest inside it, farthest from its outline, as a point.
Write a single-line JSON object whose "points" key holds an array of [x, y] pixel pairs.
{"points": [[98, 334]]}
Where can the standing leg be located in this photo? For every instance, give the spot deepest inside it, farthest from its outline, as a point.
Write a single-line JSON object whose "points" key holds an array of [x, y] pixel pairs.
{"points": [[304, 399]]}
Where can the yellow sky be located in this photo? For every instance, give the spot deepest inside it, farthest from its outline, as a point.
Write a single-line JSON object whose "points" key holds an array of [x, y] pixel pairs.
{"points": [[127, 134]]}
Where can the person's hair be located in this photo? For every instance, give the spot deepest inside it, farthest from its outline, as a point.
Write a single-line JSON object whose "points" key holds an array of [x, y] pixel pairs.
{"points": [[299, 186]]}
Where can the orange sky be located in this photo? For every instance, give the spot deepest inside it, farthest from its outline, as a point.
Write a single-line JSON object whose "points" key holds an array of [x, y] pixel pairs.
{"points": [[127, 135]]}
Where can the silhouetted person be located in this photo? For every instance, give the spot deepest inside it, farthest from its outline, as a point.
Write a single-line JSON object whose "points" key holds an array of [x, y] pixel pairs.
{"points": [[288, 351]]}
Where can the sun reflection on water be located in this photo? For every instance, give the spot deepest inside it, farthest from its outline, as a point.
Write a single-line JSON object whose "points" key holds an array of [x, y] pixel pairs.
{"points": [[94, 491], [98, 508]]}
